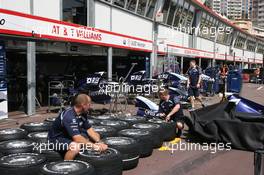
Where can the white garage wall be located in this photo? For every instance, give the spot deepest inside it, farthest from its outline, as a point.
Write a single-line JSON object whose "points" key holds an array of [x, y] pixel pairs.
{"points": [[172, 36], [48, 8], [205, 45], [248, 55], [16, 5], [129, 24], [122, 22], [238, 52], [102, 16], [259, 56], [222, 49]]}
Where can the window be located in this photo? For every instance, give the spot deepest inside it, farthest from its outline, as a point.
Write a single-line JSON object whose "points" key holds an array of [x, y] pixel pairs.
{"points": [[141, 7], [184, 14], [150, 8], [260, 48], [229, 34], [165, 10], [226, 36], [212, 28], [120, 3], [207, 34], [178, 13], [173, 8], [75, 11], [251, 45], [131, 5], [221, 33], [240, 41], [204, 26], [190, 17]]}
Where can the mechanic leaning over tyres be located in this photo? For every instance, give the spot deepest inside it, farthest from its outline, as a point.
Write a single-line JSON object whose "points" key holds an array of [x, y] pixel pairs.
{"points": [[194, 83], [71, 131], [170, 109]]}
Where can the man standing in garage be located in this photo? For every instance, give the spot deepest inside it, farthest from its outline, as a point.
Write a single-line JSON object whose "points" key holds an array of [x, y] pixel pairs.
{"points": [[262, 75], [170, 109], [194, 83], [71, 131]]}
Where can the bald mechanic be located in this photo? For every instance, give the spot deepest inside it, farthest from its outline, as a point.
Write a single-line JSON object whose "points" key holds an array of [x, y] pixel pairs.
{"points": [[72, 132], [170, 109]]}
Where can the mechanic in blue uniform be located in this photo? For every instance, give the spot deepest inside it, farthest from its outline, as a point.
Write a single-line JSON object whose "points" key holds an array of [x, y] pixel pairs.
{"points": [[194, 83], [71, 131], [170, 109]]}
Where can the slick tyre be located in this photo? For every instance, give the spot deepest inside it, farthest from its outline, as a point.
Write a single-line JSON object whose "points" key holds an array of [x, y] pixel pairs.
{"points": [[128, 147], [21, 164], [108, 162]]}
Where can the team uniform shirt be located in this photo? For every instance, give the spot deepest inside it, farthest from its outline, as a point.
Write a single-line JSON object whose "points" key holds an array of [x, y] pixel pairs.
{"points": [[167, 106], [194, 74], [69, 124]]}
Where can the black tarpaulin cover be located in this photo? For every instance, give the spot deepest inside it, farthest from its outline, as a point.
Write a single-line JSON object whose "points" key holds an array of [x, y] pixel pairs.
{"points": [[220, 123]]}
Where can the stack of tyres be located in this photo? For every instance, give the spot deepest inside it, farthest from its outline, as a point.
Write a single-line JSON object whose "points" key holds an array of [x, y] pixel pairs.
{"points": [[51, 120], [17, 141], [94, 121], [133, 119], [129, 149], [108, 162], [42, 146], [71, 167], [105, 131], [12, 134], [36, 126], [118, 125], [16, 146], [22, 164], [168, 128], [143, 137], [103, 117], [38, 137], [155, 129]]}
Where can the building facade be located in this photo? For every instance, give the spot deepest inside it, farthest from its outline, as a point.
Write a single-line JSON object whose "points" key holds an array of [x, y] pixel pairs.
{"points": [[258, 13], [259, 32], [247, 9], [216, 6], [233, 9]]}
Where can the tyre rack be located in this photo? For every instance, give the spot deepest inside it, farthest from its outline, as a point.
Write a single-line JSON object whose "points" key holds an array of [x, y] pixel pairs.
{"points": [[59, 90]]}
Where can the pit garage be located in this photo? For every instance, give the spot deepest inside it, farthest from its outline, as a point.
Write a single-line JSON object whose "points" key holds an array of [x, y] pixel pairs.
{"points": [[60, 59]]}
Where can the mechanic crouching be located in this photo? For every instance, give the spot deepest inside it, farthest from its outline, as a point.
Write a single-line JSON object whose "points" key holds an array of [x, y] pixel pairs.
{"points": [[71, 131], [170, 109]]}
